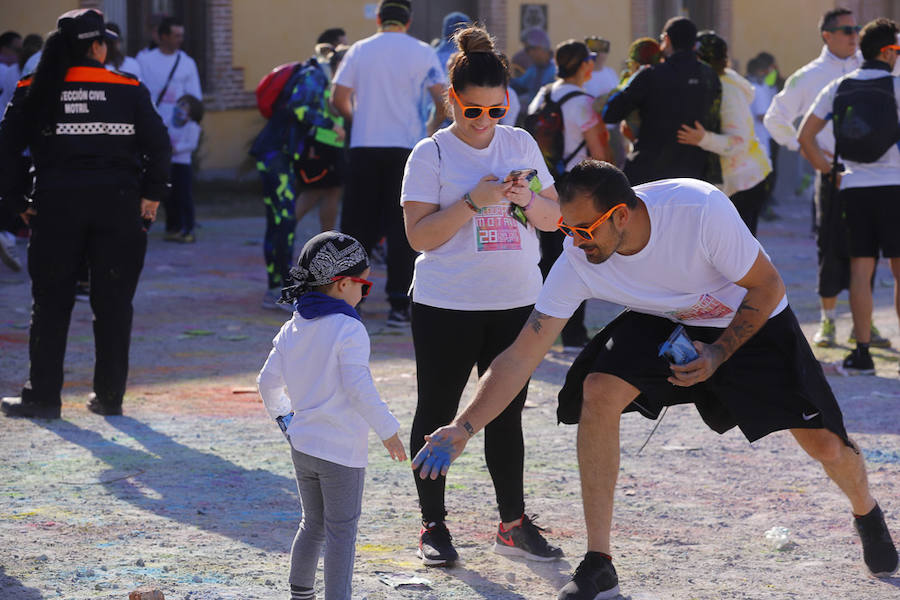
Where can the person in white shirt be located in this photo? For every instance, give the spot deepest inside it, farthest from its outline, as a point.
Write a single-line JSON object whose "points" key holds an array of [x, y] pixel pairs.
{"points": [[869, 191], [673, 252], [169, 74], [317, 385], [167, 71], [839, 57], [386, 73], [184, 133], [474, 222], [584, 135], [116, 60], [602, 82]]}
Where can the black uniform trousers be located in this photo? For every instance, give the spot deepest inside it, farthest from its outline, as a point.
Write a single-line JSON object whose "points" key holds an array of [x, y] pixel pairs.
{"points": [[103, 223]]}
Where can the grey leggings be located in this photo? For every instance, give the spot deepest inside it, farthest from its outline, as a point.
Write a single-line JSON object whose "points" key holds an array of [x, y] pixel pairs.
{"points": [[331, 501]]}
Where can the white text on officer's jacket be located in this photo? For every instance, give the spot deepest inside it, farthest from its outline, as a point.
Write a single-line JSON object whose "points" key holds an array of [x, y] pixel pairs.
{"points": [[73, 100]]}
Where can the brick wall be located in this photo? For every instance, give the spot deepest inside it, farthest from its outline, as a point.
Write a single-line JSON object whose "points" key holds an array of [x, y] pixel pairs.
{"points": [[225, 81]]}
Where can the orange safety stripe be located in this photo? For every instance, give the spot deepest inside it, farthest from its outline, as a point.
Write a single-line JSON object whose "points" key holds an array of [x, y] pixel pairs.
{"points": [[90, 74], [307, 179], [98, 75]]}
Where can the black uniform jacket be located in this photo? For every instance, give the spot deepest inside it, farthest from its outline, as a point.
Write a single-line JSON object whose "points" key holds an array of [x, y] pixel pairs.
{"points": [[679, 91], [106, 131]]}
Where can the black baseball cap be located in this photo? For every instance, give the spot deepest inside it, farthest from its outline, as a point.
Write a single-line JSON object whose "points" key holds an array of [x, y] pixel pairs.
{"points": [[84, 24]]}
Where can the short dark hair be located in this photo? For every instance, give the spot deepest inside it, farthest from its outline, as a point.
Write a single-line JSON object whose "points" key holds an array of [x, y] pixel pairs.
{"points": [[829, 19], [682, 33], [876, 35], [165, 26], [765, 59], [8, 37], [394, 11], [603, 182], [195, 107], [331, 36]]}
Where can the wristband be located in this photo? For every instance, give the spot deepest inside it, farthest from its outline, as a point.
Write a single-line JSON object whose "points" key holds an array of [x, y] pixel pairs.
{"points": [[530, 202], [469, 429], [468, 200]]}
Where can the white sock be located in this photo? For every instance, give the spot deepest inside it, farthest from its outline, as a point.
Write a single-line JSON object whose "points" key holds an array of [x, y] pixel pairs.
{"points": [[830, 313]]}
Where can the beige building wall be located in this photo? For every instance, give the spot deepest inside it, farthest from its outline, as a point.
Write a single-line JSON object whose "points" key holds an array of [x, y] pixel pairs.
{"points": [[610, 19], [34, 17], [787, 30]]}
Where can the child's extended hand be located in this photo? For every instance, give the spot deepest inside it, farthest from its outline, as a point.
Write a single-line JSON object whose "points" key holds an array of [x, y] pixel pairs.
{"points": [[395, 447]]}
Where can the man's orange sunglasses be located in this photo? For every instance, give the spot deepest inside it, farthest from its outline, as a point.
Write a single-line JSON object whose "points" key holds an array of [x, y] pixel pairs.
{"points": [[891, 46], [587, 233], [473, 112]]}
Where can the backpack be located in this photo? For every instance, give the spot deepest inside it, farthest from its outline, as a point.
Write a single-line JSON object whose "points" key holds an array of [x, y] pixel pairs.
{"points": [[865, 119], [270, 87], [547, 128]]}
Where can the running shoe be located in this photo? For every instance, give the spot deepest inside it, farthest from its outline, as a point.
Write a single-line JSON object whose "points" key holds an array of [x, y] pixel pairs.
{"points": [[594, 579], [525, 541], [876, 340], [859, 362], [824, 337], [436, 545], [879, 552]]}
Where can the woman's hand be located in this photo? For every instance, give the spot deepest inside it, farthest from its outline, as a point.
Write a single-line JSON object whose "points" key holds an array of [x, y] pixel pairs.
{"points": [[148, 209], [691, 136], [519, 193], [490, 190]]}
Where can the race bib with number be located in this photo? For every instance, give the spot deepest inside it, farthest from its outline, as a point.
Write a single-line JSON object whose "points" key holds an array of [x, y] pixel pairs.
{"points": [[496, 229]]}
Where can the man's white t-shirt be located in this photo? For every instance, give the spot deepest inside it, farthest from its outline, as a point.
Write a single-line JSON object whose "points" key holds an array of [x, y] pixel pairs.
{"points": [[578, 116], [601, 82], [698, 248], [491, 263], [885, 170], [387, 73], [155, 69], [305, 363]]}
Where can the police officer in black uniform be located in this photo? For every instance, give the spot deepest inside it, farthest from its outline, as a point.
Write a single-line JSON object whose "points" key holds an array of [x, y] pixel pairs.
{"points": [[101, 162]]}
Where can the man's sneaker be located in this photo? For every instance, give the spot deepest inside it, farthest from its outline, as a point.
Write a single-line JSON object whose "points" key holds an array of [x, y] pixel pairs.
{"points": [[824, 337], [398, 317], [16, 407], [436, 546], [879, 552], [594, 579], [859, 362], [525, 540], [875, 341], [8, 251], [171, 236], [270, 301]]}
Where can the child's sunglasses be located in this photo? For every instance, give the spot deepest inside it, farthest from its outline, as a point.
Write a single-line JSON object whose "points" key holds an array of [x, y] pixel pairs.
{"points": [[366, 284], [473, 112], [587, 233]]}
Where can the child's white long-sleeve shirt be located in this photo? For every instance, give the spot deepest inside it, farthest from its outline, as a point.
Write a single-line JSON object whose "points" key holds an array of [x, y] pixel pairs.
{"points": [[319, 368]]}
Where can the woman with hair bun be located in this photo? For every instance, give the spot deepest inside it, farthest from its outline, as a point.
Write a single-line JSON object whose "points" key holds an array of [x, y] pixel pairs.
{"points": [[474, 196]]}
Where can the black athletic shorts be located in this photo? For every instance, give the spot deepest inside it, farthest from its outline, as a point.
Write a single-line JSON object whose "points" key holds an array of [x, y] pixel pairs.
{"points": [[772, 382], [320, 167], [873, 217]]}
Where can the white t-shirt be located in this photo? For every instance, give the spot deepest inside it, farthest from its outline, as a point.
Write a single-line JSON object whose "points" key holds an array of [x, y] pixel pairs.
{"points": [[387, 73], [762, 99], [885, 170], [330, 422], [578, 116], [601, 82], [698, 248], [132, 67], [184, 141], [491, 263], [155, 68]]}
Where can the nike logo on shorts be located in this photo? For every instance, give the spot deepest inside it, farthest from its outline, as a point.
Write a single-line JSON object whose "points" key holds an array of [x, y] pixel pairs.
{"points": [[807, 417]]}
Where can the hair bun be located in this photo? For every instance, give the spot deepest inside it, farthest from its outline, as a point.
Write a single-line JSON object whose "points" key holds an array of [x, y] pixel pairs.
{"points": [[474, 40]]}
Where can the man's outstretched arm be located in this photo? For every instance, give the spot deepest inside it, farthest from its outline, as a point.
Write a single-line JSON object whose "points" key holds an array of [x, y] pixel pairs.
{"points": [[501, 383]]}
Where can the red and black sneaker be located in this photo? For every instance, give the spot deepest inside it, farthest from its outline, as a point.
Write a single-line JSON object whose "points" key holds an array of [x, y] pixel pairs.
{"points": [[525, 540], [435, 546]]}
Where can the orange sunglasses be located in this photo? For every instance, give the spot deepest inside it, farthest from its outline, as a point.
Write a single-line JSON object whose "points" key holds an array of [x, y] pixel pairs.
{"points": [[473, 112], [587, 233], [366, 284], [891, 46]]}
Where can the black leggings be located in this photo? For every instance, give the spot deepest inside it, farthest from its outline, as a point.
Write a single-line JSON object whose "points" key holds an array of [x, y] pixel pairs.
{"points": [[447, 344]]}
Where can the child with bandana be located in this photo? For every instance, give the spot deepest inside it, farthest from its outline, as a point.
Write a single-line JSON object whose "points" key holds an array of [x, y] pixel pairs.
{"points": [[184, 133], [317, 385]]}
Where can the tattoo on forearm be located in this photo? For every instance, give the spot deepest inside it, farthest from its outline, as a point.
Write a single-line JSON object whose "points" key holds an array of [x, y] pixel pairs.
{"points": [[745, 306], [740, 330], [534, 320]]}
